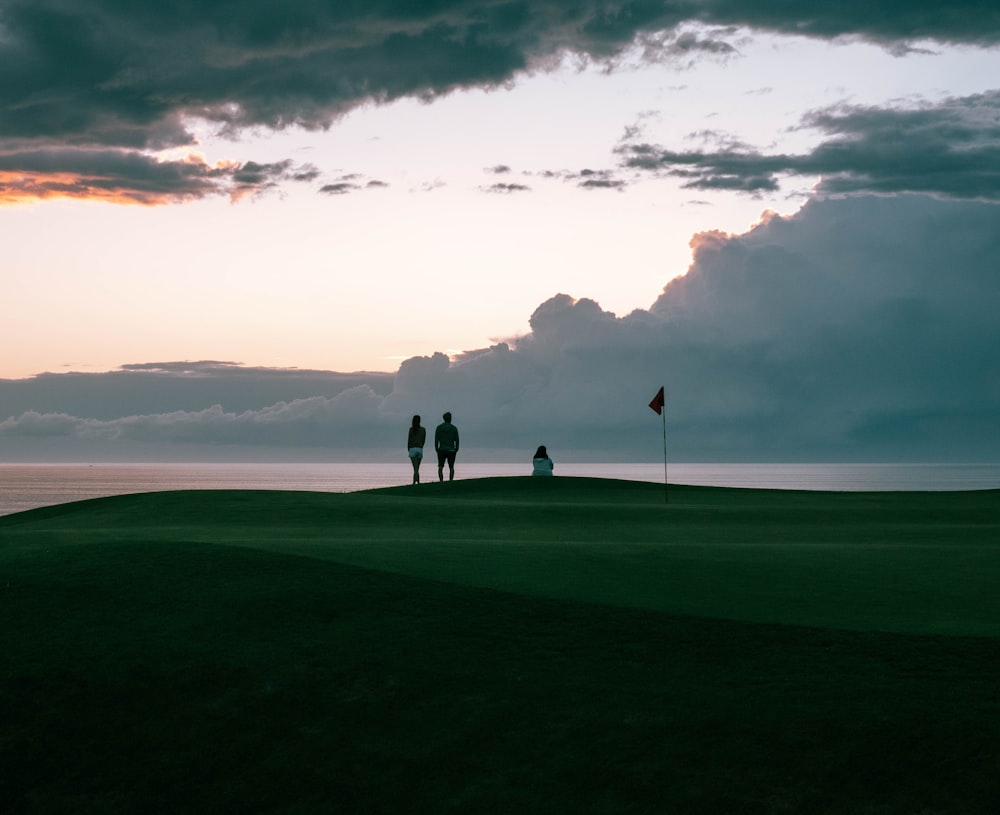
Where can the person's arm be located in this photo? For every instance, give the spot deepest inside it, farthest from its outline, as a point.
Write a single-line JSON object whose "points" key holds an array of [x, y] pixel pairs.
{"points": [[456, 439]]}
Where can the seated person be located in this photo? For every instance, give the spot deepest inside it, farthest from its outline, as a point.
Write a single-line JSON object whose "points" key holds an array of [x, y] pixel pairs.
{"points": [[541, 463]]}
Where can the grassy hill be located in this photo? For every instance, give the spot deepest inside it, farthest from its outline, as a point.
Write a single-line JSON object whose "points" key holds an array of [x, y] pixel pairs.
{"points": [[566, 645]]}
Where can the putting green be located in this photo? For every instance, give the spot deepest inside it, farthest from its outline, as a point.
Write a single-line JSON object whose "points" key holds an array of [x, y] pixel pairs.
{"points": [[900, 562]]}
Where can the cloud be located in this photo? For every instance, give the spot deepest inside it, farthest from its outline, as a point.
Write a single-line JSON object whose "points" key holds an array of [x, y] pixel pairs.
{"points": [[352, 182], [122, 176], [506, 188], [339, 188], [856, 329], [586, 178], [599, 180], [93, 80], [167, 387], [347, 419], [950, 148], [684, 46], [430, 186], [859, 329]]}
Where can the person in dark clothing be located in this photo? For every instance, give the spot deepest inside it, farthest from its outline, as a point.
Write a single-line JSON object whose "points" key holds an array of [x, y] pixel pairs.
{"points": [[446, 444]]}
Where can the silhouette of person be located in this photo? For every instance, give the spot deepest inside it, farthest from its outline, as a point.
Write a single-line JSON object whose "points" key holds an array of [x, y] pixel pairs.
{"points": [[541, 463], [415, 439], [446, 444]]}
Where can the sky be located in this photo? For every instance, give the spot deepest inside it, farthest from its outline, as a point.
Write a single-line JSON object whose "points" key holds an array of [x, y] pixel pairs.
{"points": [[256, 230]]}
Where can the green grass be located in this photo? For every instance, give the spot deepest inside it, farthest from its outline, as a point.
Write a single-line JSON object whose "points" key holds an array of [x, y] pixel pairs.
{"points": [[502, 645]]}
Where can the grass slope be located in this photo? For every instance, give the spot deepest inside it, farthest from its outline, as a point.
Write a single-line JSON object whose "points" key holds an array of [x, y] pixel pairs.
{"points": [[905, 562], [226, 651]]}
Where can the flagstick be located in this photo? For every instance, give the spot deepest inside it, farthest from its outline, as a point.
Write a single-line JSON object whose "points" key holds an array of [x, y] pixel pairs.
{"points": [[666, 497], [659, 405]]}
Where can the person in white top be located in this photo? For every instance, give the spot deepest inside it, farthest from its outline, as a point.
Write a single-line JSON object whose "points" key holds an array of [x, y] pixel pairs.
{"points": [[541, 463], [415, 439]]}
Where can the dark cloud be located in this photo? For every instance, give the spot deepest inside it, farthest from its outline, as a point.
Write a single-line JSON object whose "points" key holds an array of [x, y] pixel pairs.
{"points": [[252, 178], [684, 47], [586, 178], [352, 182], [96, 75], [130, 177], [596, 180], [855, 330], [859, 329], [339, 188], [951, 149], [506, 189]]}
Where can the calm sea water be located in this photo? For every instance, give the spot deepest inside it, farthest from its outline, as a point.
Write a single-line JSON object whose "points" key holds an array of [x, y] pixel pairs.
{"points": [[26, 486]]}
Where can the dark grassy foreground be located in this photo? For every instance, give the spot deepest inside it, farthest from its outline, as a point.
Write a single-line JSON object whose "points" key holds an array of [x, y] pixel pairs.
{"points": [[227, 652]]}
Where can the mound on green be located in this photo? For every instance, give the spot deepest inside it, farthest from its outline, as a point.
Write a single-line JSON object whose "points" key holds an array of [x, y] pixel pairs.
{"points": [[569, 646], [907, 562]]}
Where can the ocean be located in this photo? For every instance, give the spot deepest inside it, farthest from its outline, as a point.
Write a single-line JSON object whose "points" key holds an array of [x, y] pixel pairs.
{"points": [[26, 486]]}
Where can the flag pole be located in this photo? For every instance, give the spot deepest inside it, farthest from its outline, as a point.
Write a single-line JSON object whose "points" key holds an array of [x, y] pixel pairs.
{"points": [[658, 404], [666, 495]]}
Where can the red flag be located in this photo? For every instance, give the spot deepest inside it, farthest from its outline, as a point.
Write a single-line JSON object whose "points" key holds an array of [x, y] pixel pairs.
{"points": [[658, 402]]}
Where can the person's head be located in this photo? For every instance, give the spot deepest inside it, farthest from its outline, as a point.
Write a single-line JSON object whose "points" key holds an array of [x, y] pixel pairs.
{"points": [[447, 416], [541, 452], [416, 422]]}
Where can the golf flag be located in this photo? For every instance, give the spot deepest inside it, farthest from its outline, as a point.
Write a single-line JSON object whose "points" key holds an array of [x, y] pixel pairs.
{"points": [[658, 402]]}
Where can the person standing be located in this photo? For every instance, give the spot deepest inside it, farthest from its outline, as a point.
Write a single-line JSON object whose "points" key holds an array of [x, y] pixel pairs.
{"points": [[415, 446], [541, 464], [446, 444]]}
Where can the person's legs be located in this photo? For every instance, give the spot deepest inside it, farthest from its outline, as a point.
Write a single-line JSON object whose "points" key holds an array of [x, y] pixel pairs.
{"points": [[451, 466], [415, 460], [442, 456]]}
